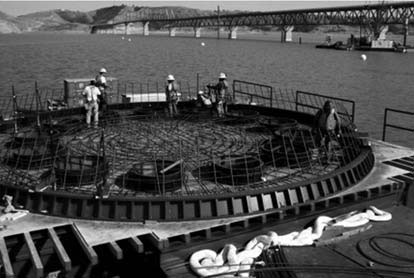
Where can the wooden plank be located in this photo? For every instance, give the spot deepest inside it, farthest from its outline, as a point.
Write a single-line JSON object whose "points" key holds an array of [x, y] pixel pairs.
{"points": [[115, 250], [90, 253], [136, 244], [8, 269], [60, 250], [34, 255]]}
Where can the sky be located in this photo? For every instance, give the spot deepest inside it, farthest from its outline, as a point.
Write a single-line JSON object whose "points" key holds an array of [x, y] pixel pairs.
{"points": [[16, 8]]}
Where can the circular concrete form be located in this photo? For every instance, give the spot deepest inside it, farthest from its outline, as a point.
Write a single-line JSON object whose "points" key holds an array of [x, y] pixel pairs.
{"points": [[141, 164]]}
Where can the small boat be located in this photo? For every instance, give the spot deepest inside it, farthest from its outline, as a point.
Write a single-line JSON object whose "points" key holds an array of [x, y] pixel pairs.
{"points": [[337, 45]]}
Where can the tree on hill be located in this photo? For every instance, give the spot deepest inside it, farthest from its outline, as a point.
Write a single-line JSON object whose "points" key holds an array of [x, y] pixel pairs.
{"points": [[75, 16], [106, 14]]}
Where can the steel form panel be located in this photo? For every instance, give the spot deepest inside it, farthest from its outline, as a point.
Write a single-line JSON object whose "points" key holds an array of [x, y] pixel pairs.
{"points": [[192, 208]]}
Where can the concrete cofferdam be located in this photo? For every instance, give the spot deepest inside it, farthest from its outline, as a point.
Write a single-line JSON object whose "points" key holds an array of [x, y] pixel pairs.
{"points": [[141, 165]]}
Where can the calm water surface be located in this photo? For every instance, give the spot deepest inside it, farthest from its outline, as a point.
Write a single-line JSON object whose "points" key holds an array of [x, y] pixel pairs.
{"points": [[384, 80]]}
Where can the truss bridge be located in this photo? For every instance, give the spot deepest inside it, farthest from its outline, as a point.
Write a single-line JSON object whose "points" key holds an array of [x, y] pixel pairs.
{"points": [[375, 18]]}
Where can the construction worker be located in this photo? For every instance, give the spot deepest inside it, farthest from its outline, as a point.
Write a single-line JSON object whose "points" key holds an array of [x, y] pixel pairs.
{"points": [[172, 95], [100, 80], [91, 94], [221, 94], [204, 99], [328, 127]]}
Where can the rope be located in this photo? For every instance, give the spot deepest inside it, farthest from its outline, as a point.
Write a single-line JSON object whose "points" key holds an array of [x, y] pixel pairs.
{"points": [[228, 261]]}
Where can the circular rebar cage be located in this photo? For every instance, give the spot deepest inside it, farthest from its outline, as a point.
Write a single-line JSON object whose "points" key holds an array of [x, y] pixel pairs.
{"points": [[139, 151], [214, 154]]}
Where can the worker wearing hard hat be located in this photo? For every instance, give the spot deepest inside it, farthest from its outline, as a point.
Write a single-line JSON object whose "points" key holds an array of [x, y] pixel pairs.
{"points": [[100, 80], [172, 95], [91, 94], [221, 95], [327, 124]]}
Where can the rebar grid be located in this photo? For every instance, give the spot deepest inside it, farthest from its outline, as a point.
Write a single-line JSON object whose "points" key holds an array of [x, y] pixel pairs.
{"points": [[143, 152], [215, 155]]}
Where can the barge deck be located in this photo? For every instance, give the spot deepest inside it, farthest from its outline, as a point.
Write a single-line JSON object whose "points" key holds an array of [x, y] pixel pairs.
{"points": [[213, 198]]}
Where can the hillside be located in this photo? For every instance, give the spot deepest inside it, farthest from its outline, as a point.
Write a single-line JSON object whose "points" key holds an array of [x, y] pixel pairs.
{"points": [[105, 15], [66, 20], [8, 24]]}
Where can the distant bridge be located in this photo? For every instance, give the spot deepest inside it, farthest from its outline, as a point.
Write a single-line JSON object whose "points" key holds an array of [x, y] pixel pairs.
{"points": [[375, 17]]}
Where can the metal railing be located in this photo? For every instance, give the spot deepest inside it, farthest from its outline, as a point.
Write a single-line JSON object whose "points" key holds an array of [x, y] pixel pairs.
{"points": [[260, 91], [290, 100], [242, 92], [316, 101], [387, 124]]}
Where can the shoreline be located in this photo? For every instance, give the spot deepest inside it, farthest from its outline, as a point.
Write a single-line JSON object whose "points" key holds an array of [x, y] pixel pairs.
{"points": [[305, 37]]}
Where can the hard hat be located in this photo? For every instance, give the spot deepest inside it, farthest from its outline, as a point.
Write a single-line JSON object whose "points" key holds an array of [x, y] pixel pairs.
{"points": [[200, 92], [103, 70], [170, 77], [222, 76]]}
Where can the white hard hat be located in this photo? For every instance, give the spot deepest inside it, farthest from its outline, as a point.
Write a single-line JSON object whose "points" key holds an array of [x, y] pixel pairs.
{"points": [[103, 70], [170, 77], [222, 75], [200, 92]]}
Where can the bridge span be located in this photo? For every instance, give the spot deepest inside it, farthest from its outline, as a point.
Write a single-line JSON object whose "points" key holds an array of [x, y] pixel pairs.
{"points": [[374, 17]]}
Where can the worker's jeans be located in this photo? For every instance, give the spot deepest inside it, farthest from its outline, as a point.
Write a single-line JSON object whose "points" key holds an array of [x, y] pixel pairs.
{"points": [[221, 108], [92, 108], [328, 139], [172, 108]]}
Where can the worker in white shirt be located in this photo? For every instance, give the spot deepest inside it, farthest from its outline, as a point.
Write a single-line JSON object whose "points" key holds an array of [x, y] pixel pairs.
{"points": [[100, 80], [91, 94]]}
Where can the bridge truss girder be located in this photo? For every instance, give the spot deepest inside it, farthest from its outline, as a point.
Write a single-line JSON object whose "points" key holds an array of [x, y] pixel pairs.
{"points": [[372, 16]]}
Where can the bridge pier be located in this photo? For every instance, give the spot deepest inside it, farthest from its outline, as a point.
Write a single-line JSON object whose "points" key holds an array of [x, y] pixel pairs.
{"points": [[119, 29], [286, 33], [197, 32], [133, 28], [171, 31], [233, 33], [145, 28], [382, 32], [110, 30], [405, 32]]}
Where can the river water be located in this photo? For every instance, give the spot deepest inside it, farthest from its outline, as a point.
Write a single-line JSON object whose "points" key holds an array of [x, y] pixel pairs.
{"points": [[383, 80]]}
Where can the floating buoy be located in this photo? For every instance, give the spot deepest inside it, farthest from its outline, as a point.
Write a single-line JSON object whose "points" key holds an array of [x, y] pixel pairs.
{"points": [[129, 39], [203, 44], [363, 57], [123, 38]]}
